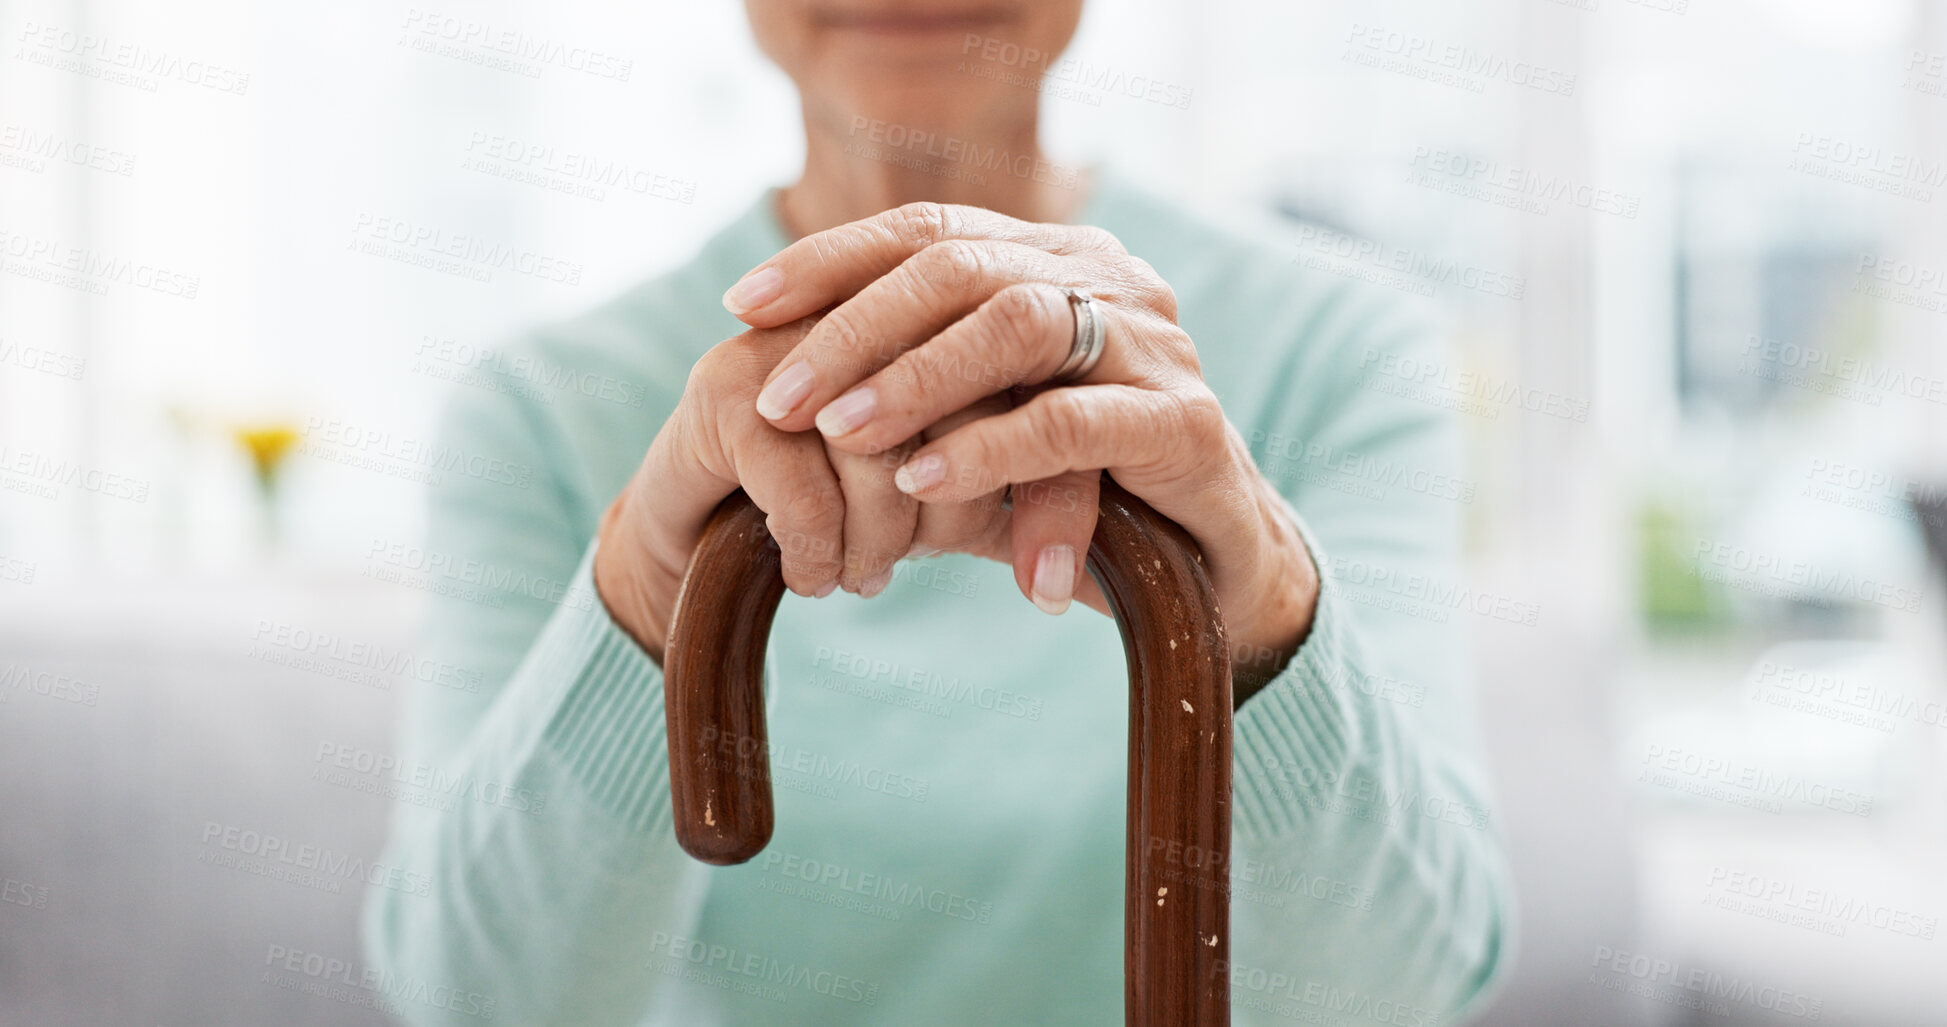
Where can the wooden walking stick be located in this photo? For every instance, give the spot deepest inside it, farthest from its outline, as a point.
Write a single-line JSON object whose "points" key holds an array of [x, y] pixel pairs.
{"points": [[1176, 904]]}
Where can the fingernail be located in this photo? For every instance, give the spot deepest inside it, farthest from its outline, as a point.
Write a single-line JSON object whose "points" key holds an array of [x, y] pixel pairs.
{"points": [[923, 473], [877, 584], [846, 413], [919, 552], [785, 392], [754, 291], [824, 590], [1054, 578]]}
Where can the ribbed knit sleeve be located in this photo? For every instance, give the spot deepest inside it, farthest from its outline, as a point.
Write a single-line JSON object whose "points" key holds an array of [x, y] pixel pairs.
{"points": [[553, 868], [607, 730], [1368, 880]]}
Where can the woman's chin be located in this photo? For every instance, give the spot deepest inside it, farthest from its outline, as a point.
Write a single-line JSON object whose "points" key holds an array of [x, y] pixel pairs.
{"points": [[914, 99]]}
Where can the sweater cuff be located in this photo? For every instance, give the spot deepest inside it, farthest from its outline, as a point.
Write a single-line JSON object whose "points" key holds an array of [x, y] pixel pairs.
{"points": [[1291, 739], [608, 731]]}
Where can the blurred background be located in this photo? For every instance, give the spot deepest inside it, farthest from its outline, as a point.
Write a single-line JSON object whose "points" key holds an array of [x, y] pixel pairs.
{"points": [[1692, 256]]}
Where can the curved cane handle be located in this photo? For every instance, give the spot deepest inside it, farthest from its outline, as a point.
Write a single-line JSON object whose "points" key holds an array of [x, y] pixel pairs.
{"points": [[1176, 904]]}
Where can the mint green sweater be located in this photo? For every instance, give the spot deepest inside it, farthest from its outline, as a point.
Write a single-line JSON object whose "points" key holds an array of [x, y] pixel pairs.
{"points": [[948, 760]]}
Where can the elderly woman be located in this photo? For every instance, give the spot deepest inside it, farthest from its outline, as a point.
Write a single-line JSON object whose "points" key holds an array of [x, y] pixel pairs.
{"points": [[883, 356]]}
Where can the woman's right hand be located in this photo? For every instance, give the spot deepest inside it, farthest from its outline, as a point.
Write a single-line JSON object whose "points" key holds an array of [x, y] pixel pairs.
{"points": [[839, 520]]}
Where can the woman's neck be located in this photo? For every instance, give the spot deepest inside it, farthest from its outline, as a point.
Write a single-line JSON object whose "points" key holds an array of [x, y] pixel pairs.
{"points": [[857, 167]]}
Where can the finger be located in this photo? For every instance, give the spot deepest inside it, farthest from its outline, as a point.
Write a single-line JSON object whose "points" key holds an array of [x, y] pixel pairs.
{"points": [[977, 525], [892, 314], [827, 267], [1053, 520], [1144, 437], [789, 478], [879, 520], [692, 464], [1022, 334]]}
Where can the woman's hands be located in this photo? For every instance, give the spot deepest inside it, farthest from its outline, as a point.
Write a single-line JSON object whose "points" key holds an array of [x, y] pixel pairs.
{"points": [[836, 515], [927, 384], [939, 307]]}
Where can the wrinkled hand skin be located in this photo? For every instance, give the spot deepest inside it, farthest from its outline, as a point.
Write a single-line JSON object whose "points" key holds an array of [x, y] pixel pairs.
{"points": [[895, 387], [838, 518]]}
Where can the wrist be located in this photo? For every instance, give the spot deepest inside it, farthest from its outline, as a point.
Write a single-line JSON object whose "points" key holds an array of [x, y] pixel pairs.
{"points": [[630, 581], [1276, 618]]}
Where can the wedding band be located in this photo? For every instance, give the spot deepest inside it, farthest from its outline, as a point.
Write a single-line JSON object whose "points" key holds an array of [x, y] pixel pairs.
{"points": [[1091, 332]]}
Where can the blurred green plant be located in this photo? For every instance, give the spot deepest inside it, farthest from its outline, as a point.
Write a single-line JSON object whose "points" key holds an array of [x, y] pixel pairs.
{"points": [[1671, 596]]}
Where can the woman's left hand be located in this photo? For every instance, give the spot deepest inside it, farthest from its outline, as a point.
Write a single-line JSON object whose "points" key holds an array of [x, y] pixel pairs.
{"points": [[940, 306]]}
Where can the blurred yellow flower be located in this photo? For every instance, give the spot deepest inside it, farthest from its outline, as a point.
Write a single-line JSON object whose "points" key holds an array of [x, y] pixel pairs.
{"points": [[267, 445]]}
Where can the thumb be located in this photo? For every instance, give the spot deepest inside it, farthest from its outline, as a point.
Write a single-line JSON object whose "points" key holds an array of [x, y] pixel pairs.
{"points": [[1052, 522]]}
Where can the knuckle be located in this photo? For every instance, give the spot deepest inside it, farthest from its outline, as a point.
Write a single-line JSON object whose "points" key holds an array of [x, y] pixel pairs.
{"points": [[1172, 353], [707, 406], [710, 370], [919, 224], [1188, 347], [1204, 405], [814, 511], [1194, 416], [953, 264], [1150, 288], [733, 368], [809, 554], [1063, 420], [1022, 319], [1162, 299], [1091, 237]]}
